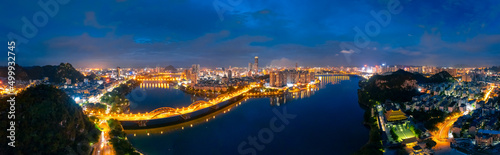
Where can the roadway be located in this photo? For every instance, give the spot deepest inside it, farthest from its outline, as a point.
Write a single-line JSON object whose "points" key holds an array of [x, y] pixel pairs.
{"points": [[444, 128], [487, 95], [103, 147]]}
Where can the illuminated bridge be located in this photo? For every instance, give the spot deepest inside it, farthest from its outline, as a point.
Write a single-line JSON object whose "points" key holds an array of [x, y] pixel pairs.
{"points": [[154, 85], [159, 79], [183, 112]]}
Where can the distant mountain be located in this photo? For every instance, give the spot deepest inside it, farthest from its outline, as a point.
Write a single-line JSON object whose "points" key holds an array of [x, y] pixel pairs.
{"points": [[494, 69], [171, 69], [440, 77], [20, 73], [47, 121], [56, 74], [66, 70]]}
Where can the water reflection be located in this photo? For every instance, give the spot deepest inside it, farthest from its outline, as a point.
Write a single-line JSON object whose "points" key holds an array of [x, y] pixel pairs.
{"points": [[331, 79], [274, 101], [150, 95], [163, 85], [324, 121], [188, 124]]}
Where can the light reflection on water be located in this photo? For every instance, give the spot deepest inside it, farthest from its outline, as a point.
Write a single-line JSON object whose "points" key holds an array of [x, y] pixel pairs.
{"points": [[274, 101], [326, 116]]}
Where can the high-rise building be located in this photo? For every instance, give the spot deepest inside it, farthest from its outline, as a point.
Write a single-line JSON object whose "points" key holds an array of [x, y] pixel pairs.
{"points": [[272, 79], [229, 74], [256, 65], [249, 69], [186, 74], [282, 78], [195, 70], [466, 77], [118, 72]]}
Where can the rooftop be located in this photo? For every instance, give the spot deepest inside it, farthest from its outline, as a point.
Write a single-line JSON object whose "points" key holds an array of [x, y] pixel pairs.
{"points": [[395, 115]]}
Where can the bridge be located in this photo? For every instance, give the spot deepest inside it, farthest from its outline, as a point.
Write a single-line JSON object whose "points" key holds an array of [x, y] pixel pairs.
{"points": [[159, 79], [165, 112], [154, 85]]}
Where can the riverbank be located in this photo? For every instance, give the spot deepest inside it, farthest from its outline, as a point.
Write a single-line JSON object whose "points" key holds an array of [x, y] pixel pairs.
{"points": [[116, 99], [117, 102], [374, 145]]}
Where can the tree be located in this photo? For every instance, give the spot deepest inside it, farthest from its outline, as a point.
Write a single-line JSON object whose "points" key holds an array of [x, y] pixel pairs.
{"points": [[401, 151], [429, 143], [120, 144], [394, 135], [48, 121]]}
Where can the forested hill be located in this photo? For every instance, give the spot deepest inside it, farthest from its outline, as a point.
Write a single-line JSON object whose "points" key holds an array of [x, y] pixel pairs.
{"points": [[47, 122], [56, 74], [400, 85]]}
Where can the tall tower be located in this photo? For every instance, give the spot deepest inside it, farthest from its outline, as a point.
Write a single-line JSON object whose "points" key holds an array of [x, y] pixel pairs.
{"points": [[272, 79], [256, 67], [118, 73], [195, 69], [249, 66]]}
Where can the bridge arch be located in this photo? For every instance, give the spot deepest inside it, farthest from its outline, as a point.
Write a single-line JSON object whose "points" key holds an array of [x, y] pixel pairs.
{"points": [[162, 110], [197, 104]]}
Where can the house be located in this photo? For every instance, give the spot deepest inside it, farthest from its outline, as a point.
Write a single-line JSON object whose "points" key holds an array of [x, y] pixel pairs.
{"points": [[483, 139], [473, 127]]}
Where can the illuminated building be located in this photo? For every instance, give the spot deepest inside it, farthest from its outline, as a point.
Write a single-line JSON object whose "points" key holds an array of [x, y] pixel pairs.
{"points": [[272, 79], [117, 73], [195, 70], [249, 69], [397, 122], [466, 78], [285, 77], [395, 115], [256, 64]]}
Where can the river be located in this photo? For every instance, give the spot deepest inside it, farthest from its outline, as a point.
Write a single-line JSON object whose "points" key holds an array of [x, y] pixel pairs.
{"points": [[327, 120]]}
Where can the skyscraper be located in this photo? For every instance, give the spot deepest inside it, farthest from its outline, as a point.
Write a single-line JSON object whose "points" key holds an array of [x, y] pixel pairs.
{"points": [[272, 79], [118, 73], [195, 69], [256, 64], [249, 67]]}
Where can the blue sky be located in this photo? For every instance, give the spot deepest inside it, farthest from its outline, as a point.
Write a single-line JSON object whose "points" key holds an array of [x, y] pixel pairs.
{"points": [[130, 33]]}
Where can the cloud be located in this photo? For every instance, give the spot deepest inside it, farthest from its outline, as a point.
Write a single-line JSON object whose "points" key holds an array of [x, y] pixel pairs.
{"points": [[347, 51], [90, 20], [283, 62], [186, 32]]}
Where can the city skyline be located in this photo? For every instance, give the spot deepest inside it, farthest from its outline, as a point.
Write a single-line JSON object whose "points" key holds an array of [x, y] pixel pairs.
{"points": [[181, 33], [359, 77]]}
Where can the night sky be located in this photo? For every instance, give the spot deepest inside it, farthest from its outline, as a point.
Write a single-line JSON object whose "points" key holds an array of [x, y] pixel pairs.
{"points": [[144, 33]]}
